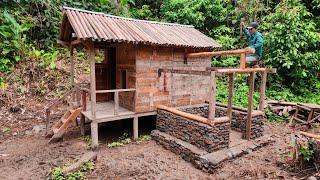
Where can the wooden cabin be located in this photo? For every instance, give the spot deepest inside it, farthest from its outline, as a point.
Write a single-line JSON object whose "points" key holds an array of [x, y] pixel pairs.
{"points": [[127, 82]]}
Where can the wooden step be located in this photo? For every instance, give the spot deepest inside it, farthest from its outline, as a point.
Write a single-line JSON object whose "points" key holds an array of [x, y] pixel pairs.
{"points": [[64, 120], [55, 130], [61, 126]]}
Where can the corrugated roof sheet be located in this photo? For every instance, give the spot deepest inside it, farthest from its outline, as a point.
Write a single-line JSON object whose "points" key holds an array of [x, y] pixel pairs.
{"points": [[96, 26]]}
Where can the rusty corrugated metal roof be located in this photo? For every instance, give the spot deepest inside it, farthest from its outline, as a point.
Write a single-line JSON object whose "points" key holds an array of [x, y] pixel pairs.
{"points": [[97, 26]]}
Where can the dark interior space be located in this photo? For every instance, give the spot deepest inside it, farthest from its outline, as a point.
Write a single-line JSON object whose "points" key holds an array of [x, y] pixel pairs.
{"points": [[112, 131]]}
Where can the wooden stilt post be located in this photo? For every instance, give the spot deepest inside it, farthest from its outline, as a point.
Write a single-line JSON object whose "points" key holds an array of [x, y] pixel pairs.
{"points": [[82, 121], [250, 105], [94, 124], [263, 91], [94, 133], [116, 103], [92, 82], [212, 96], [72, 71], [230, 96], [135, 128]]}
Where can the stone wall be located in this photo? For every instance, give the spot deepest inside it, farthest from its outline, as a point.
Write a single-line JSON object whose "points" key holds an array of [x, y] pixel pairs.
{"points": [[203, 136], [238, 122]]}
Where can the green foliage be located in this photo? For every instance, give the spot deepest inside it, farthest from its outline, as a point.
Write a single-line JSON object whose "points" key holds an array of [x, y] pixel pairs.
{"points": [[6, 130], [123, 140], [271, 117], [12, 39], [57, 172], [241, 89], [144, 138], [293, 45], [306, 152]]}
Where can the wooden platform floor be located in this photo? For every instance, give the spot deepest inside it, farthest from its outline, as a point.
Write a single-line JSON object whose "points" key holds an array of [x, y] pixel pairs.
{"points": [[105, 110]]}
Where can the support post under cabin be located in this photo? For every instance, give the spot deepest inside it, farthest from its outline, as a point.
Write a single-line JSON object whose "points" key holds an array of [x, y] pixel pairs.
{"points": [[250, 106], [135, 128], [212, 97], [94, 124], [72, 71]]}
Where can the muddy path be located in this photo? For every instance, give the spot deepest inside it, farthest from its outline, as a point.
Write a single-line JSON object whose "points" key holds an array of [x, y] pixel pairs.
{"points": [[30, 157]]}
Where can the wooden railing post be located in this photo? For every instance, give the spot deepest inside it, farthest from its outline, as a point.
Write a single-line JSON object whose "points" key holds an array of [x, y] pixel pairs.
{"points": [[250, 105], [230, 96], [212, 96], [242, 60], [116, 103], [263, 91]]}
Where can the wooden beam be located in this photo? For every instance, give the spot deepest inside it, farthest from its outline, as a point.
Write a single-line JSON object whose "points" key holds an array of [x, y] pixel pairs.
{"points": [[315, 136], [250, 105], [230, 96], [220, 120], [184, 114], [114, 90], [179, 71], [220, 53], [212, 96], [245, 70], [263, 91], [135, 128]]}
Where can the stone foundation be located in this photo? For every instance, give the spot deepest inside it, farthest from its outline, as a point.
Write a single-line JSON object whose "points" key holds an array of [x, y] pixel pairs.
{"points": [[204, 145], [238, 122], [203, 136]]}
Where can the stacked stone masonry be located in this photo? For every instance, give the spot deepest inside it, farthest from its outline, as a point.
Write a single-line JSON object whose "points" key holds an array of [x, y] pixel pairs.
{"points": [[203, 136], [238, 122]]}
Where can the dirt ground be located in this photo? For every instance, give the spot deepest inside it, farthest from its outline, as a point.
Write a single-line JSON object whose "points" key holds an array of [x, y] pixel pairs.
{"points": [[30, 157]]}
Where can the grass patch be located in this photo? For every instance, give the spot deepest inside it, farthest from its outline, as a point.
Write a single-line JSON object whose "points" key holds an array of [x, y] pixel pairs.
{"points": [[123, 140], [143, 138], [57, 172]]}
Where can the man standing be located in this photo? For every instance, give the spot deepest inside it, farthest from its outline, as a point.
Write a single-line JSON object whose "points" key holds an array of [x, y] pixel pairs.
{"points": [[255, 41]]}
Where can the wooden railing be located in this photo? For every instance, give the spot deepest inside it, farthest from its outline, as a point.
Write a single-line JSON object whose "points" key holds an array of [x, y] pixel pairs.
{"points": [[241, 52], [116, 97]]}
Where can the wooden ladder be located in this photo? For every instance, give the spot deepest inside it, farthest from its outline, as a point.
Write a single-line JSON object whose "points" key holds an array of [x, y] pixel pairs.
{"points": [[62, 125]]}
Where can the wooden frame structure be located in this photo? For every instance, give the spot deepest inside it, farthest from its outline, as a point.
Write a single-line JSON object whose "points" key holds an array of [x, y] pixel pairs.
{"points": [[231, 73]]}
